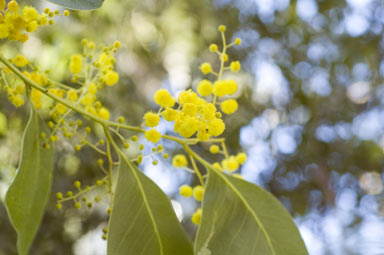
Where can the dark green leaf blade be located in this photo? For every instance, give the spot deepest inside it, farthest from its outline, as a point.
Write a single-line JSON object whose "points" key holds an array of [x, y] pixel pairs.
{"points": [[28, 194], [79, 4], [242, 218], [142, 219]]}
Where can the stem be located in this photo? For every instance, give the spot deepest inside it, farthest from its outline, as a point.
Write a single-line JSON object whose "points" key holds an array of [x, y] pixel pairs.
{"points": [[196, 170], [109, 155]]}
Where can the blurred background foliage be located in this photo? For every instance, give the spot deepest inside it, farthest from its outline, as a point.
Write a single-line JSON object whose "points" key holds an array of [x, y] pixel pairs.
{"points": [[311, 114]]}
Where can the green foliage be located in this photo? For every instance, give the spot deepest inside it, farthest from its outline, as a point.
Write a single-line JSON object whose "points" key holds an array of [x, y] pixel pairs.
{"points": [[143, 220], [28, 194], [79, 4], [242, 218]]}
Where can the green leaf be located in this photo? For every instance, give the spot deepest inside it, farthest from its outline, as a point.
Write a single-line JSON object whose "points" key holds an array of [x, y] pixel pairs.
{"points": [[28, 194], [79, 4], [142, 219], [242, 218]]}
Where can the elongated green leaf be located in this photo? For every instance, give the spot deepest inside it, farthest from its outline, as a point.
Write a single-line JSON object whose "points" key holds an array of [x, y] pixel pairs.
{"points": [[242, 218], [79, 4], [28, 194], [142, 220]]}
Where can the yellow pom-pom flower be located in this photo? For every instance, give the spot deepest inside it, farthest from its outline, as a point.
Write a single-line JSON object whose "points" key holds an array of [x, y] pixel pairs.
{"points": [[163, 98], [179, 161], [241, 157], [36, 98], [4, 32], [196, 217], [20, 61], [186, 190], [206, 68], [237, 41], [111, 78], [230, 164], [60, 109], [216, 127], [187, 97], [219, 88], [229, 106], [169, 114], [76, 63], [2, 4], [214, 149], [230, 87], [103, 113], [13, 6], [198, 193], [235, 66], [190, 109], [72, 95], [29, 13], [151, 119], [204, 88], [222, 28], [152, 135], [213, 47]]}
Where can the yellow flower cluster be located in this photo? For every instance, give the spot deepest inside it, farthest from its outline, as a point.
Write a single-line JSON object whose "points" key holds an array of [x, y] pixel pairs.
{"points": [[194, 114], [231, 163], [15, 88], [15, 22], [92, 70]]}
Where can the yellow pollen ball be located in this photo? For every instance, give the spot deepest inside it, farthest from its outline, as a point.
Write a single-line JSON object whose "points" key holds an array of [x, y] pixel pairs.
{"points": [[186, 190], [237, 41], [213, 47], [219, 88], [75, 63], [224, 57], [196, 217], [187, 97], [230, 164], [189, 109], [206, 68], [204, 88], [151, 119], [36, 98], [163, 98], [229, 106], [198, 193], [179, 161], [214, 149], [61, 109], [216, 127], [13, 6], [241, 157], [222, 28], [32, 26], [103, 113], [2, 4], [29, 13], [152, 135], [20, 61], [4, 31], [116, 44], [235, 66], [111, 78], [169, 114]]}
